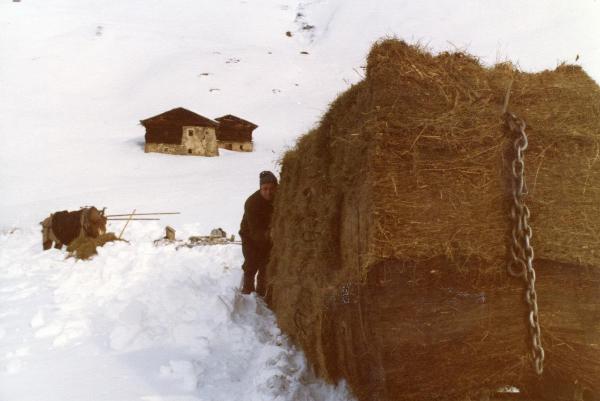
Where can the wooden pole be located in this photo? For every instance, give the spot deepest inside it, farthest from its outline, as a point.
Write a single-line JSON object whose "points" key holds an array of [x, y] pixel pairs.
{"points": [[170, 233], [134, 219], [139, 214], [128, 220]]}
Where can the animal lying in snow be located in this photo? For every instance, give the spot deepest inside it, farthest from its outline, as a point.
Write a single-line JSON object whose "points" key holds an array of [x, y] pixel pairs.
{"points": [[63, 227]]}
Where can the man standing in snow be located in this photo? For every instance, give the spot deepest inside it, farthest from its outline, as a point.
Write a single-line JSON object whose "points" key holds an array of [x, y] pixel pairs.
{"points": [[255, 233]]}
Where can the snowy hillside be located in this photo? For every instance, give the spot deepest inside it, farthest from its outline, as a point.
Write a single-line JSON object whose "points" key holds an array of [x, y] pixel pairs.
{"points": [[77, 76], [140, 322]]}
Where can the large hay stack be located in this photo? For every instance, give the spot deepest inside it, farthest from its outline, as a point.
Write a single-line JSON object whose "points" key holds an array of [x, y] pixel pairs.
{"points": [[392, 228]]}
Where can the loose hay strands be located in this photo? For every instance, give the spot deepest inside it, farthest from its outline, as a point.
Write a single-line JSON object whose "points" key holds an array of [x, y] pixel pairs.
{"points": [[85, 247], [410, 165]]}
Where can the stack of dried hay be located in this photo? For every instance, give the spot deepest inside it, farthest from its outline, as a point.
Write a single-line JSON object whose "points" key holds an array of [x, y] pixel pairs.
{"points": [[391, 229], [84, 247]]}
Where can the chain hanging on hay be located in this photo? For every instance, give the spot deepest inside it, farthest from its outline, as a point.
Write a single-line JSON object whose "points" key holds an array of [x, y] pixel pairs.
{"points": [[521, 264]]}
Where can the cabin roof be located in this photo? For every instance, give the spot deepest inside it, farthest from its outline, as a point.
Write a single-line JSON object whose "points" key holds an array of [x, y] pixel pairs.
{"points": [[181, 116], [229, 118]]}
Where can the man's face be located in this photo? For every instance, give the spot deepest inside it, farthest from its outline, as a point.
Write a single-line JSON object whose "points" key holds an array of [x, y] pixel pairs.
{"points": [[267, 190]]}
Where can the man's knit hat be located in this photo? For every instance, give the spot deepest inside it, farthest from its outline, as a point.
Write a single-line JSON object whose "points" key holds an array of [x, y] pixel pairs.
{"points": [[266, 177]]}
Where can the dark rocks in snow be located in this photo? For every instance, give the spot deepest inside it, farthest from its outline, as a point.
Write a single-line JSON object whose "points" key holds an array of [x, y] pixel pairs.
{"points": [[300, 20]]}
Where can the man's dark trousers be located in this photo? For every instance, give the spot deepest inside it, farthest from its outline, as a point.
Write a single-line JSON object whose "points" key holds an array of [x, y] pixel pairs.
{"points": [[255, 261]]}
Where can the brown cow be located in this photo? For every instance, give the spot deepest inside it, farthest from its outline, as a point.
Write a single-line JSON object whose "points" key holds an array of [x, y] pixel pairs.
{"points": [[64, 226]]}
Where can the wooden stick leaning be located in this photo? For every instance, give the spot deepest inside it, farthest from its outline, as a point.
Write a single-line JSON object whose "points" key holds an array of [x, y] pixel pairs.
{"points": [[128, 220]]}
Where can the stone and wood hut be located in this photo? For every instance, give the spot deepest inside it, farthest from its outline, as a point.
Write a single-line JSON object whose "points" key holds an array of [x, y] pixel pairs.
{"points": [[235, 133], [181, 132]]}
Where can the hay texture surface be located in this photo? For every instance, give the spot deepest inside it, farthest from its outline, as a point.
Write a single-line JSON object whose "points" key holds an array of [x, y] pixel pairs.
{"points": [[403, 189], [84, 247]]}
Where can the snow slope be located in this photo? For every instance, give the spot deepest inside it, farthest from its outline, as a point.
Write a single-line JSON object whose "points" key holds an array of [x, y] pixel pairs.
{"points": [[140, 322], [77, 76]]}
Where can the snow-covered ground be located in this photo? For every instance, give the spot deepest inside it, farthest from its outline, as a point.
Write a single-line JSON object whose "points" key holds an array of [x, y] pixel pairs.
{"points": [[140, 322]]}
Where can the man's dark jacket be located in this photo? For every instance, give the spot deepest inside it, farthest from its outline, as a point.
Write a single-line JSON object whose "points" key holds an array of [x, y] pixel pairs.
{"points": [[254, 229]]}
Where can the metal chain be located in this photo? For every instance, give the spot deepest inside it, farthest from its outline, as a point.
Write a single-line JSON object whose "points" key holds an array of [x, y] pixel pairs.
{"points": [[345, 293], [521, 264]]}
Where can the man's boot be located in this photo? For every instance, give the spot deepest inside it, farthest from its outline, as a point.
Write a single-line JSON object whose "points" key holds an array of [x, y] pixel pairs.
{"points": [[248, 283]]}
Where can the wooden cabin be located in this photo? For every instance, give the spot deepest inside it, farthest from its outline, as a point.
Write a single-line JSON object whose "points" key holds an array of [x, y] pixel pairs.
{"points": [[181, 132], [235, 133]]}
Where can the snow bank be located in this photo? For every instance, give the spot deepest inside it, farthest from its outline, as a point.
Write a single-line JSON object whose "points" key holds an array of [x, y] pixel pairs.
{"points": [[140, 322]]}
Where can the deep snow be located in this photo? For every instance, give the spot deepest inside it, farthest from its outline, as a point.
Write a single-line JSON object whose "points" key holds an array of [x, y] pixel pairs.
{"points": [[140, 322]]}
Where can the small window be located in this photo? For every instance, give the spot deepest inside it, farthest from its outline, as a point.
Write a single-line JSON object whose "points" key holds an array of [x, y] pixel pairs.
{"points": [[190, 151], [191, 132]]}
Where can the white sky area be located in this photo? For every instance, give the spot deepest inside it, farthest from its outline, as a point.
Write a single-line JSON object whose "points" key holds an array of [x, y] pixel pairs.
{"points": [[140, 322]]}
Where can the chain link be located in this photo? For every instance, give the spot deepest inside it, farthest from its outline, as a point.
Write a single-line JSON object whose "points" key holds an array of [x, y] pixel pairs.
{"points": [[521, 264], [345, 294]]}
